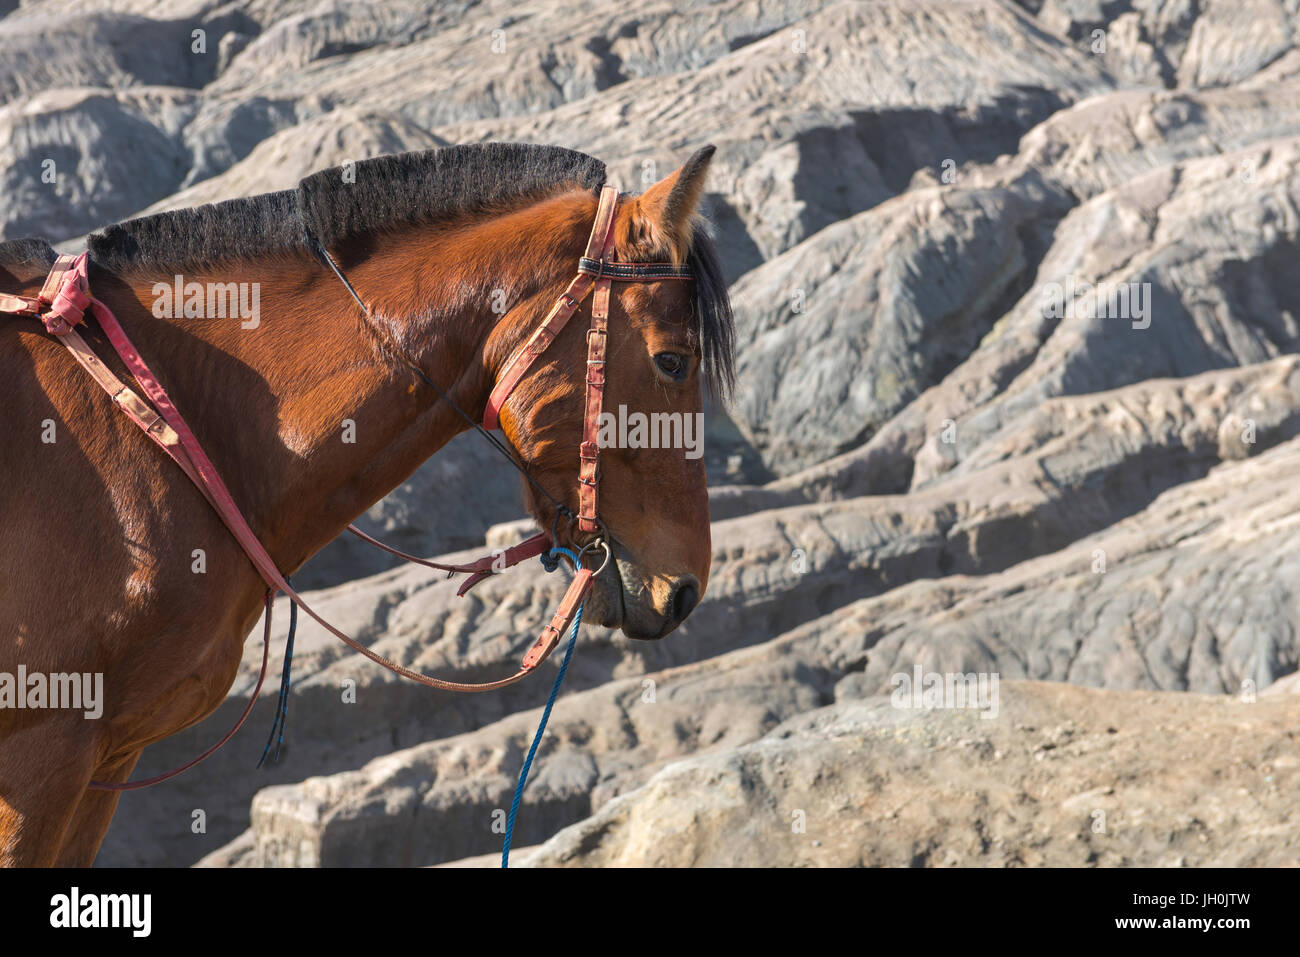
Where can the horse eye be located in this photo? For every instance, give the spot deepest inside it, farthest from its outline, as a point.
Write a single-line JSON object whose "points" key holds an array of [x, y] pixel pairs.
{"points": [[671, 364]]}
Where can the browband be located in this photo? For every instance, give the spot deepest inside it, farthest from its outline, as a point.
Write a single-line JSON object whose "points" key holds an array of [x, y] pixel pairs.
{"points": [[633, 272]]}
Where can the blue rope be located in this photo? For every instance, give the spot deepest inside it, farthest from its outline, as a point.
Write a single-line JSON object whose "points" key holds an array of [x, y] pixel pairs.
{"points": [[282, 705], [546, 715]]}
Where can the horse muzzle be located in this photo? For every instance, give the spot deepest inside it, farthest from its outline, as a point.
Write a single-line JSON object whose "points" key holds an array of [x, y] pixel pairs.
{"points": [[643, 606]]}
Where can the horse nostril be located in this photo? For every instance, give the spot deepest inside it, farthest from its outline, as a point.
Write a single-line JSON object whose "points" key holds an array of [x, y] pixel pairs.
{"points": [[684, 600]]}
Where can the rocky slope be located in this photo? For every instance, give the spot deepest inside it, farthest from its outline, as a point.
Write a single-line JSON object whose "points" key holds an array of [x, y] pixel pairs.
{"points": [[944, 450], [1064, 777]]}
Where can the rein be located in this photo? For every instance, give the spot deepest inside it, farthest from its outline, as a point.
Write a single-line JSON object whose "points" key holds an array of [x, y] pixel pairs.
{"points": [[65, 298]]}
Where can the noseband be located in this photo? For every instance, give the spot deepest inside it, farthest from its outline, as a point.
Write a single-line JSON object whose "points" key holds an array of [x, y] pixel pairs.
{"points": [[65, 298]]}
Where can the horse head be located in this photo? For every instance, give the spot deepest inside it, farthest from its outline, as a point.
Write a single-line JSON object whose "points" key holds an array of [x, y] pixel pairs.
{"points": [[667, 341]]}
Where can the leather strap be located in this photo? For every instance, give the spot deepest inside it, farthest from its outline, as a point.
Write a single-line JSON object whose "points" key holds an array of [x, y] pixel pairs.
{"points": [[634, 272], [19, 305], [537, 343], [59, 306], [248, 709], [552, 633], [594, 399], [478, 569], [566, 305]]}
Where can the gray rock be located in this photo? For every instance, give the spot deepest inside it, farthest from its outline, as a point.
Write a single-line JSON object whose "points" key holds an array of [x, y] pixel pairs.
{"points": [[1064, 777], [73, 159], [45, 48], [447, 799], [1215, 297], [844, 331], [1210, 43], [905, 94]]}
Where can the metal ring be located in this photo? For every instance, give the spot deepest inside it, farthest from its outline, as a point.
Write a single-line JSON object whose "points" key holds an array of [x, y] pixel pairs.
{"points": [[609, 553]]}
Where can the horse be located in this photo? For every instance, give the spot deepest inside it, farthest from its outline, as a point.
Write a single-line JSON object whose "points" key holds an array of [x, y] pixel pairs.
{"points": [[458, 252]]}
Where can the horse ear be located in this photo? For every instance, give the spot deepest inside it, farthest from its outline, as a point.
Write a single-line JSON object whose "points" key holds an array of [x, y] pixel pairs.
{"points": [[661, 216]]}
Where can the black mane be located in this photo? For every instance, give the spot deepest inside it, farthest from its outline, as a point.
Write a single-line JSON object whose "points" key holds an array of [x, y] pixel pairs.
{"points": [[27, 252], [375, 194], [387, 192]]}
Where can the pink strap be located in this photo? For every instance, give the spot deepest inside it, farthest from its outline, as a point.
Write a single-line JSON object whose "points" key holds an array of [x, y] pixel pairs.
{"points": [[532, 350], [594, 400], [478, 569], [601, 238], [19, 305]]}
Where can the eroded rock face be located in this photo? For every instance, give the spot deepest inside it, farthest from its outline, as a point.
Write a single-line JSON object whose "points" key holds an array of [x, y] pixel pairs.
{"points": [[845, 330], [73, 159], [445, 800], [44, 48], [929, 460], [956, 289]]}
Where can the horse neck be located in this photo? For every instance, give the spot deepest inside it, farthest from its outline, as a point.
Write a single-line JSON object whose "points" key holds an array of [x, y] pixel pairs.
{"points": [[309, 416]]}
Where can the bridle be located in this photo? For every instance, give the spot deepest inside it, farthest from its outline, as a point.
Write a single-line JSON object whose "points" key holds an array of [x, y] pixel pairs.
{"points": [[65, 298]]}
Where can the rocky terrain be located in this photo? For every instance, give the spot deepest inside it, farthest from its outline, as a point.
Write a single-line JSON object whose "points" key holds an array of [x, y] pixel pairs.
{"points": [[950, 448]]}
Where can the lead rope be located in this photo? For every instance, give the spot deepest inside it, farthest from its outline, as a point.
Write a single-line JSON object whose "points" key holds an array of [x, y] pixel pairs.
{"points": [[282, 705], [546, 713]]}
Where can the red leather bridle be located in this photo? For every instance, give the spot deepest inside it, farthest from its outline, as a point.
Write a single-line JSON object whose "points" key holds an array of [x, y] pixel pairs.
{"points": [[65, 298]]}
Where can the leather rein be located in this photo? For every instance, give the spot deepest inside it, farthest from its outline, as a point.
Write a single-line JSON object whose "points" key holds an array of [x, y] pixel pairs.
{"points": [[65, 298]]}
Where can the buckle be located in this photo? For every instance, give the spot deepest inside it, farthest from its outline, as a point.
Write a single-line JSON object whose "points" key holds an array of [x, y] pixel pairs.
{"points": [[21, 305]]}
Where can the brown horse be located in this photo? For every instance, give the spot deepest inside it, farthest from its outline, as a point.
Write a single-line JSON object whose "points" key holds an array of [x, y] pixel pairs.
{"points": [[458, 252]]}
